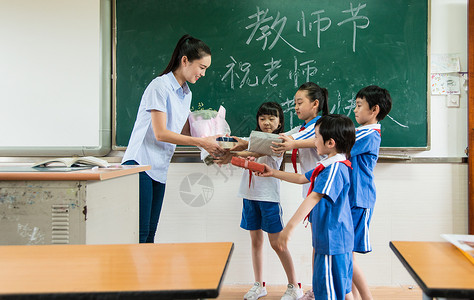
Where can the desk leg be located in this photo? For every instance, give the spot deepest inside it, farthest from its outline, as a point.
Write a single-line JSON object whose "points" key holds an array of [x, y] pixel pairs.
{"points": [[438, 298]]}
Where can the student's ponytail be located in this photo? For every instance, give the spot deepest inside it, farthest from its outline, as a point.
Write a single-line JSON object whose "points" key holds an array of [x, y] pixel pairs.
{"points": [[315, 92], [324, 102], [187, 46]]}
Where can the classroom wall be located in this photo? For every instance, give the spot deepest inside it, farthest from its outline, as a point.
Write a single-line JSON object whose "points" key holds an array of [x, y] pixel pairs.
{"points": [[417, 200], [448, 36]]}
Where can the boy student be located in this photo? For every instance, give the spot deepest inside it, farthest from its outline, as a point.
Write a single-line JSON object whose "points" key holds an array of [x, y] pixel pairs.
{"points": [[372, 105], [327, 200]]}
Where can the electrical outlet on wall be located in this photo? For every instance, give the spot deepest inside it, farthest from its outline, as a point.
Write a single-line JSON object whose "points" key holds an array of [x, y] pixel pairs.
{"points": [[452, 100]]}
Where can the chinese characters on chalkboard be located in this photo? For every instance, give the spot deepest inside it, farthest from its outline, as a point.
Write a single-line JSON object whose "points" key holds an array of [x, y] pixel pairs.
{"points": [[268, 30]]}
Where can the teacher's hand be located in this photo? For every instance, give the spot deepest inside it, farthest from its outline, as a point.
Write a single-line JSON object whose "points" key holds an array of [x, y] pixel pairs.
{"points": [[210, 145]]}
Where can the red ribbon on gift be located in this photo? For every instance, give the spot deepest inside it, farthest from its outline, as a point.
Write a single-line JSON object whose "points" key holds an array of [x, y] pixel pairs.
{"points": [[252, 166]]}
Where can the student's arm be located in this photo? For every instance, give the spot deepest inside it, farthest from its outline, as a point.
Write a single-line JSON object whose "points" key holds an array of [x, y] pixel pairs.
{"points": [[303, 210], [241, 144], [227, 157], [288, 143], [162, 134], [224, 159], [248, 154], [286, 176]]}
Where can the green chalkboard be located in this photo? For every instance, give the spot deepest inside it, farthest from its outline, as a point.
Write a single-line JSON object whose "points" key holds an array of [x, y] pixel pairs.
{"points": [[262, 50]]}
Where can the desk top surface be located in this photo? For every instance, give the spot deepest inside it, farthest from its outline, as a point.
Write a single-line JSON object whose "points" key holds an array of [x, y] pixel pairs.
{"points": [[191, 270], [439, 268], [85, 174]]}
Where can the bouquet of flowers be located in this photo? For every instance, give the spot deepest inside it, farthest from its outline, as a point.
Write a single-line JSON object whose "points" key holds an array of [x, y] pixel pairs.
{"points": [[208, 122]]}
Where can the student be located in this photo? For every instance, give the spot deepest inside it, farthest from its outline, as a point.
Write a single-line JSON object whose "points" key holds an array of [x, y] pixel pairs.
{"points": [[261, 210], [310, 101], [372, 105], [162, 123], [327, 200]]}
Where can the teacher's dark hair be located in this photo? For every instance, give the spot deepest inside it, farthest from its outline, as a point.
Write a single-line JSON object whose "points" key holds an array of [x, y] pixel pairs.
{"points": [[187, 46]]}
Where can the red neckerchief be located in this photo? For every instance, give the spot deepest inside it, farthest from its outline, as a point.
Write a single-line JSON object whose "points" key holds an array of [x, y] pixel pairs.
{"points": [[376, 129], [250, 172], [319, 168], [294, 152], [250, 177]]}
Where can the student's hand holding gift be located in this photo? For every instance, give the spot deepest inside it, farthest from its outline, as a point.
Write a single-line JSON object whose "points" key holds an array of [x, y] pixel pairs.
{"points": [[249, 164], [241, 144], [267, 172], [287, 144], [224, 159]]}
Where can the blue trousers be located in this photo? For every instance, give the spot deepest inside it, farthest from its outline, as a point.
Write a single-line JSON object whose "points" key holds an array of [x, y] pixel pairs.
{"points": [[151, 200]]}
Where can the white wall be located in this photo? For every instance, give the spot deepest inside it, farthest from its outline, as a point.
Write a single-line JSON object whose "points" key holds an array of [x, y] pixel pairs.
{"points": [[448, 36]]}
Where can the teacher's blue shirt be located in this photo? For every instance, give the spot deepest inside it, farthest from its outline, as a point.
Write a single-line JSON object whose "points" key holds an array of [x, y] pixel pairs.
{"points": [[163, 94]]}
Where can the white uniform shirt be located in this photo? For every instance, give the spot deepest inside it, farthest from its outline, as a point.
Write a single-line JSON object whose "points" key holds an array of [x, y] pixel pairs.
{"points": [[163, 94], [261, 188], [308, 157]]}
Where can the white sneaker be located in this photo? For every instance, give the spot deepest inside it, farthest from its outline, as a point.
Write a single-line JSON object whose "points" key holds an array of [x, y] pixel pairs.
{"points": [[309, 295], [258, 290], [292, 293]]}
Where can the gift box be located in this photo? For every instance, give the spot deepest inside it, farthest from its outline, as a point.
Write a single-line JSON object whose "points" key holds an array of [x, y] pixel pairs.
{"points": [[250, 165], [226, 142], [260, 142]]}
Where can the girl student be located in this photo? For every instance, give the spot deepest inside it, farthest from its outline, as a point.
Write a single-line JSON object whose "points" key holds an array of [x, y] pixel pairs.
{"points": [[261, 210], [310, 101], [161, 123]]}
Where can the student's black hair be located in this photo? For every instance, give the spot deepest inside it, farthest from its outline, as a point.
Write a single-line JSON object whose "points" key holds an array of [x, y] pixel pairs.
{"points": [[187, 46], [339, 128], [273, 109], [375, 95], [315, 92]]}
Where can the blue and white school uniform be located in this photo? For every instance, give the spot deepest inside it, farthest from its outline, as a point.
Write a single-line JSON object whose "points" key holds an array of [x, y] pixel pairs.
{"points": [[261, 199], [362, 194], [166, 95], [308, 157], [333, 232]]}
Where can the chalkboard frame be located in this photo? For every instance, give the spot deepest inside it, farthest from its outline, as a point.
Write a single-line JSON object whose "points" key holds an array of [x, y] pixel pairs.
{"points": [[193, 150]]}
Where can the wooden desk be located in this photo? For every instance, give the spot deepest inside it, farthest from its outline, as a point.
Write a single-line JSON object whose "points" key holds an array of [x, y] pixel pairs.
{"points": [[439, 268], [138, 271], [92, 206]]}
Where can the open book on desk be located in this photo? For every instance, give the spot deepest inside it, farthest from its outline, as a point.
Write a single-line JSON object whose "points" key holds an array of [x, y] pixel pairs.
{"points": [[464, 242], [74, 162]]}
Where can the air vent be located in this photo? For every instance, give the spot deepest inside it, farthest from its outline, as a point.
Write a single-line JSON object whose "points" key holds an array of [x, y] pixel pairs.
{"points": [[60, 224]]}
